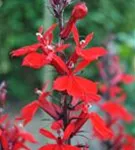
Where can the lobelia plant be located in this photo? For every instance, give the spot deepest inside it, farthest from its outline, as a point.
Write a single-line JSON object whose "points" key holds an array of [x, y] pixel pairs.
{"points": [[114, 97], [76, 94]]}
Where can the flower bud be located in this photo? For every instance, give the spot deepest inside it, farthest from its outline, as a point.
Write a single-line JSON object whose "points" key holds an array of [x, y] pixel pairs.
{"points": [[79, 11]]}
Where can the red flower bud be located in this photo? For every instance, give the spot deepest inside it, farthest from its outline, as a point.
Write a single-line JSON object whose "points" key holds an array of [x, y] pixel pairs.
{"points": [[79, 11]]}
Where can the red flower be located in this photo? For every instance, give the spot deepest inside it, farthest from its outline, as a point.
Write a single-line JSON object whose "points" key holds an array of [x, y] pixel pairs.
{"points": [[89, 54], [74, 85], [117, 111], [77, 87], [60, 141], [48, 55]]}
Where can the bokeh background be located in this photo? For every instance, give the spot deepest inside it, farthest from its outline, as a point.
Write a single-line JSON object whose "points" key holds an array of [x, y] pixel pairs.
{"points": [[19, 21]]}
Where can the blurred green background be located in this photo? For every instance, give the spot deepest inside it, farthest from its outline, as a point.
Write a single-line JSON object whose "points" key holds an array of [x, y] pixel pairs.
{"points": [[20, 19]]}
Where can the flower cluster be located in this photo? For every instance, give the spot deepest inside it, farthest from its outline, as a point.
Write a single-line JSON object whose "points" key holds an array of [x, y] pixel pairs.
{"points": [[114, 97], [76, 94]]}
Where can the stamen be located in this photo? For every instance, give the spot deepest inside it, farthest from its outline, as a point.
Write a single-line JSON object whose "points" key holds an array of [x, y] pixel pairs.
{"points": [[82, 42], [39, 34], [37, 91], [71, 65], [50, 47], [89, 105]]}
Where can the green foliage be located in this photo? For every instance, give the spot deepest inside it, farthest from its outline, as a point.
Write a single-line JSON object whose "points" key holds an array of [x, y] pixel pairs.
{"points": [[19, 21]]}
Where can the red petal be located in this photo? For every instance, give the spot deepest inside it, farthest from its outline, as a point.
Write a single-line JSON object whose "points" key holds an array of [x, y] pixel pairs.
{"points": [[28, 112], [81, 66], [117, 111], [127, 78], [67, 29], [50, 30], [52, 109], [83, 88], [0, 132], [75, 35], [25, 50], [77, 87], [59, 64], [93, 53], [47, 134], [57, 125], [88, 39], [62, 47], [82, 118], [19, 145], [60, 83], [35, 60], [4, 142], [48, 35], [68, 131], [28, 137], [50, 147], [99, 127]]}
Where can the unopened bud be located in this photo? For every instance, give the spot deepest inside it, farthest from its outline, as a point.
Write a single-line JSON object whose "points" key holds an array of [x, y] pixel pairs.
{"points": [[79, 11]]}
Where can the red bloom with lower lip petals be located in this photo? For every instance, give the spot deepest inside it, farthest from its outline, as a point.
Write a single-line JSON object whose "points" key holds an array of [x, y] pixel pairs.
{"points": [[89, 54], [77, 87], [74, 85], [48, 54]]}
